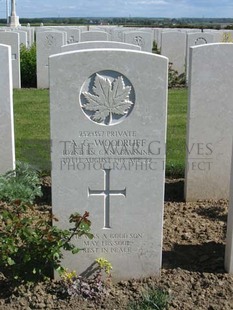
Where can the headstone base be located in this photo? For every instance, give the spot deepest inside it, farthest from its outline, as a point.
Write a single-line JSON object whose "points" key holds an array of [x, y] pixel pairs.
{"points": [[14, 21]]}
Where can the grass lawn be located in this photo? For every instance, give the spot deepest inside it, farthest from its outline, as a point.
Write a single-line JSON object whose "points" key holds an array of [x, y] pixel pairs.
{"points": [[32, 136], [176, 132], [31, 112]]}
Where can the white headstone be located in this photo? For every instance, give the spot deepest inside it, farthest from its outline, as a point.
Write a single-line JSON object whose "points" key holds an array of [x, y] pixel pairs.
{"points": [[140, 38], [30, 35], [173, 46], [210, 122], [195, 39], [7, 142], [108, 125], [47, 43], [157, 36], [22, 37], [98, 44], [12, 39], [73, 33], [94, 36], [229, 236], [118, 34]]}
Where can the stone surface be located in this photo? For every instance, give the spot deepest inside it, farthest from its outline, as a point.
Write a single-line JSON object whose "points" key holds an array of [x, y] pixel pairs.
{"points": [[94, 36], [13, 19], [7, 149], [110, 162], [140, 38], [73, 33], [210, 125], [47, 43], [173, 46], [98, 44], [229, 237], [30, 35], [22, 37], [194, 39], [12, 39], [157, 36], [118, 34]]}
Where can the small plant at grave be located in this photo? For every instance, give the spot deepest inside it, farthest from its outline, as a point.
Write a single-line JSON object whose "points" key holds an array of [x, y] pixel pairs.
{"points": [[28, 66], [155, 48], [153, 298], [174, 79], [105, 265], [30, 247], [93, 287], [21, 185]]}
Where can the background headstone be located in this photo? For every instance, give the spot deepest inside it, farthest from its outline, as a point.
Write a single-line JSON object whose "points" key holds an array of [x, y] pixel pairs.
{"points": [[94, 36], [73, 33], [195, 39], [30, 34], [118, 34], [173, 46], [98, 44], [140, 38], [12, 39], [47, 43], [22, 37], [7, 142], [210, 122], [110, 161]]}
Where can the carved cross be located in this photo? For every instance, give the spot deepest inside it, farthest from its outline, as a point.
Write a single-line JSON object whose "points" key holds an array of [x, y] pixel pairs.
{"points": [[107, 193]]}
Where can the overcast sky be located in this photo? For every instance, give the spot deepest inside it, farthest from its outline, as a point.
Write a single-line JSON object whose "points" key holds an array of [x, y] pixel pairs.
{"points": [[121, 8]]}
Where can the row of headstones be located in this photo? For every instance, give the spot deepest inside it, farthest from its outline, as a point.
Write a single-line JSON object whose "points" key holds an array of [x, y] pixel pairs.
{"points": [[113, 33], [15, 38], [173, 44], [26, 34], [108, 127], [48, 43]]}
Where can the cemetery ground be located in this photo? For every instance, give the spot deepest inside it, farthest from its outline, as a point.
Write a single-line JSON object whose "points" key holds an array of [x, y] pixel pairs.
{"points": [[192, 276]]}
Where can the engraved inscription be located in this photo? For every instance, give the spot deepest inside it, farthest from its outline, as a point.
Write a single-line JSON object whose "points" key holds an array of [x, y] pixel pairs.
{"points": [[49, 41], [115, 150], [108, 100], [107, 192], [200, 41], [139, 41], [70, 40], [120, 243]]}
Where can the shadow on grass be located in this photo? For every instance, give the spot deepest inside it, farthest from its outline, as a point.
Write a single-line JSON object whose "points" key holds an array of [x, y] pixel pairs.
{"points": [[206, 257], [35, 152], [174, 190]]}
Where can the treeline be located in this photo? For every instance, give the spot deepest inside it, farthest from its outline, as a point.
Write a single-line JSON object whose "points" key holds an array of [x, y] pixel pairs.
{"points": [[215, 23]]}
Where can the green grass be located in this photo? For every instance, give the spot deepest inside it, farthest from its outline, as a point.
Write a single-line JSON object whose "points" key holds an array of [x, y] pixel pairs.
{"points": [[31, 112], [176, 132], [32, 132]]}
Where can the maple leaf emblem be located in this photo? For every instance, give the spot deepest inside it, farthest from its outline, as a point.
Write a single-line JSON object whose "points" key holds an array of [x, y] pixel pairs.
{"points": [[108, 99]]}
